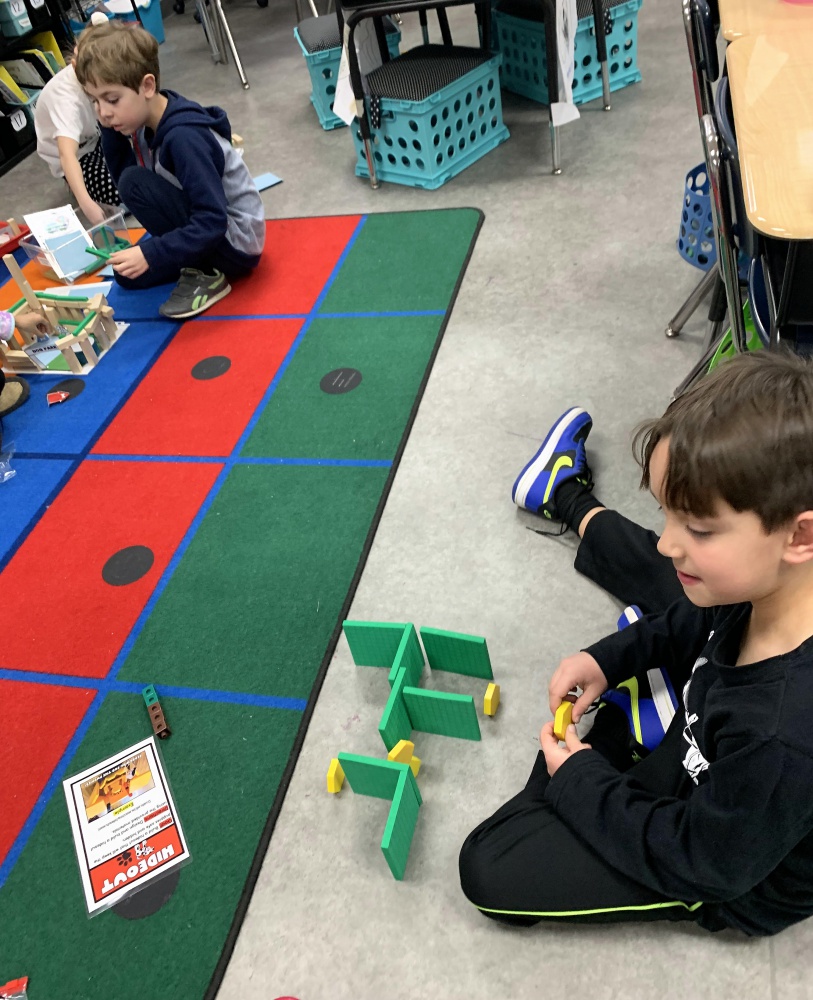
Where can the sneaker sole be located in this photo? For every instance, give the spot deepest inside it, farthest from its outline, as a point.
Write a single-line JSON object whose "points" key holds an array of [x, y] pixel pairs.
{"points": [[529, 474], [196, 312]]}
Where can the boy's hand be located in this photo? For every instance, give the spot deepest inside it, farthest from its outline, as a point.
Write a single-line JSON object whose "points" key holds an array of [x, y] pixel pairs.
{"points": [[555, 754], [31, 323], [580, 670], [130, 263]]}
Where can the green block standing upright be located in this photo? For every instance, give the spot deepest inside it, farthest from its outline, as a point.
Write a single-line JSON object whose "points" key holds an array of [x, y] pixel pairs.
{"points": [[400, 828], [409, 656], [371, 776], [395, 723], [374, 644], [442, 713], [456, 652]]}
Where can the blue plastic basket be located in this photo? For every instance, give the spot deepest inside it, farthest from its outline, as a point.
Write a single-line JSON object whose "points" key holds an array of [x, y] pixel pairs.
{"points": [[525, 64], [696, 242], [324, 71], [425, 143]]}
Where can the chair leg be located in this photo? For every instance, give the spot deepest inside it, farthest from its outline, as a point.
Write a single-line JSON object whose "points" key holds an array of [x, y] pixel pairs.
{"points": [[552, 55], [226, 30], [717, 313], [676, 323], [701, 367], [424, 26]]}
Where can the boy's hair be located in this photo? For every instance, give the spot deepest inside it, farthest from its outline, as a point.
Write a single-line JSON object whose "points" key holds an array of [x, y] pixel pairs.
{"points": [[743, 434], [116, 53]]}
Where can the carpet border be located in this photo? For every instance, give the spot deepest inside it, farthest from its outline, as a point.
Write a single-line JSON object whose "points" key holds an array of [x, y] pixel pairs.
{"points": [[230, 943]]}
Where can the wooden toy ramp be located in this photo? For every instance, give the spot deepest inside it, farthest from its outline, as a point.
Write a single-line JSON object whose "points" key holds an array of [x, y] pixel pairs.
{"points": [[172, 523]]}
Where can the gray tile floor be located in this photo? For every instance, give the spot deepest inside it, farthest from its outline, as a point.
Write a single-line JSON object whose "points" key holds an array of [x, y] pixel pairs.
{"points": [[565, 300]]}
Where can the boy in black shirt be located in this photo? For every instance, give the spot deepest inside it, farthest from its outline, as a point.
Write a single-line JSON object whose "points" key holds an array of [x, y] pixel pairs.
{"points": [[716, 824]]}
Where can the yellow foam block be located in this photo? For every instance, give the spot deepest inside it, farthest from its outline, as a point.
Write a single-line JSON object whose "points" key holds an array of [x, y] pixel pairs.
{"points": [[562, 719], [335, 776], [402, 752], [415, 764], [491, 701]]}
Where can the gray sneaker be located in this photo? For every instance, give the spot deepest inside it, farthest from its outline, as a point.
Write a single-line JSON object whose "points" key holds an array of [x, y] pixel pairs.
{"points": [[194, 293]]}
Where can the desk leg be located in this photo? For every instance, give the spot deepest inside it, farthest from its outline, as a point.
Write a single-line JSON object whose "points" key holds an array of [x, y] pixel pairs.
{"points": [[224, 25], [601, 50]]}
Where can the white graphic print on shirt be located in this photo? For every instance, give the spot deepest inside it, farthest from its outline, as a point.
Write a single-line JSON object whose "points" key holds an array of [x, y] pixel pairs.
{"points": [[694, 761]]}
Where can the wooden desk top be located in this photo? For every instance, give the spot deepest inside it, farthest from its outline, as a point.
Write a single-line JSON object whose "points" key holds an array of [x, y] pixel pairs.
{"points": [[739, 18], [771, 79]]}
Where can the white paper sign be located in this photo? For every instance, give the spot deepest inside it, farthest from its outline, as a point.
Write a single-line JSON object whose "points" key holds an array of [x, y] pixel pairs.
{"points": [[124, 823]]}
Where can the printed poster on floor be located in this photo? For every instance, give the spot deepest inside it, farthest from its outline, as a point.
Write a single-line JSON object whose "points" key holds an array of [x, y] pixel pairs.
{"points": [[125, 826]]}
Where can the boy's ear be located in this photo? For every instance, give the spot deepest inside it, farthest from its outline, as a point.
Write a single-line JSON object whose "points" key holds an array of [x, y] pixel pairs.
{"points": [[148, 88], [800, 547]]}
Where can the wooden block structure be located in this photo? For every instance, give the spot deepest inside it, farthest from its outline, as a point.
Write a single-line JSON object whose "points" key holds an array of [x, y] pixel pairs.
{"points": [[74, 320]]}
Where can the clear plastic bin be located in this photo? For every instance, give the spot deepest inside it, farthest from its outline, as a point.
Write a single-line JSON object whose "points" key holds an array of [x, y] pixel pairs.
{"points": [[96, 244]]}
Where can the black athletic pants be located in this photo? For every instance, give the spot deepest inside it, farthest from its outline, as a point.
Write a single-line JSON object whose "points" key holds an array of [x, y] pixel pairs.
{"points": [[161, 207], [523, 864]]}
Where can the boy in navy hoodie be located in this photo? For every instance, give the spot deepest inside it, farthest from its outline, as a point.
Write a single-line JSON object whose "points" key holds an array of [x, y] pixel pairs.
{"points": [[176, 171]]}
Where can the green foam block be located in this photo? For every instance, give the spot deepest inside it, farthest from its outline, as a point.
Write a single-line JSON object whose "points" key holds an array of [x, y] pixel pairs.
{"points": [[371, 776], [401, 822], [409, 656], [395, 723], [374, 644], [442, 713], [457, 653]]}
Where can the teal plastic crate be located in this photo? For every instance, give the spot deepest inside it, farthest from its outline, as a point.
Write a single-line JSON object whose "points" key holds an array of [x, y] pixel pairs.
{"points": [[425, 143], [525, 66], [323, 68], [14, 18]]}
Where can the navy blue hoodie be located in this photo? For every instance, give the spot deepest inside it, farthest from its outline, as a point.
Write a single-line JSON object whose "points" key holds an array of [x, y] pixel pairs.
{"points": [[192, 149]]}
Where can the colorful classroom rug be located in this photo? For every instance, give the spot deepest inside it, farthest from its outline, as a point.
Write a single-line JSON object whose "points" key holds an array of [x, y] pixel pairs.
{"points": [[197, 518]]}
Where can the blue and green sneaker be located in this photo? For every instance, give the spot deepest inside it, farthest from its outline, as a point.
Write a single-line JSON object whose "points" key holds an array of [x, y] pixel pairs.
{"points": [[195, 292], [561, 457]]}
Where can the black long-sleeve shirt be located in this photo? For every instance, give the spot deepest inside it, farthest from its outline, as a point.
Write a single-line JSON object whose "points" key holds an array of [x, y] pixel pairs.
{"points": [[738, 833]]}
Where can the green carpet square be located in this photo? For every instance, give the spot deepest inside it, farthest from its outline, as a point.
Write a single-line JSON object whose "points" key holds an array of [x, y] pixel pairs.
{"points": [[404, 261], [442, 713], [211, 763], [456, 652], [304, 420], [256, 597]]}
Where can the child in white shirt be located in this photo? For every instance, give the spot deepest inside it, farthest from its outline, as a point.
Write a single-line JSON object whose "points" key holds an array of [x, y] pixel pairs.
{"points": [[68, 141]]}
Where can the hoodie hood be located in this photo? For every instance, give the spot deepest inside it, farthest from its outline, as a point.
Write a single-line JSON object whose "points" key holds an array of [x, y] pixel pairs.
{"points": [[181, 111]]}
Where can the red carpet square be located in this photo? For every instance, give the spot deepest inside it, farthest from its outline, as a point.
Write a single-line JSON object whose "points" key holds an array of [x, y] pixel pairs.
{"points": [[38, 723], [93, 560], [206, 386], [299, 257]]}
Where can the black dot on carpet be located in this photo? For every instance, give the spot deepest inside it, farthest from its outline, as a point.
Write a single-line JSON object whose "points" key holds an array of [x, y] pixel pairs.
{"points": [[212, 367], [150, 899], [73, 386], [340, 380], [127, 565]]}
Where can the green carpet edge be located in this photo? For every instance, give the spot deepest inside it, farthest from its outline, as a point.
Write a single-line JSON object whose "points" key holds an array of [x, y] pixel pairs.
{"points": [[265, 839]]}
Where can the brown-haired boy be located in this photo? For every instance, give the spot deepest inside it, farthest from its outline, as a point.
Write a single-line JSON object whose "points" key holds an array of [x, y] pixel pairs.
{"points": [[715, 825], [176, 171]]}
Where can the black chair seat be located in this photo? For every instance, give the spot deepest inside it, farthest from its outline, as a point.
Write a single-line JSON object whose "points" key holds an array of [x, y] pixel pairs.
{"points": [[320, 33], [423, 71]]}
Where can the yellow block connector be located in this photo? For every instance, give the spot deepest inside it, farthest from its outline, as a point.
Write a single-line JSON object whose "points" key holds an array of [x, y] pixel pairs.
{"points": [[562, 719], [491, 702], [402, 752], [335, 776]]}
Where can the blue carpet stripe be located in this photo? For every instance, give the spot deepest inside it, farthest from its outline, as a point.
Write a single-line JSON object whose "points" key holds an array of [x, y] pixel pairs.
{"points": [[53, 782], [106, 685]]}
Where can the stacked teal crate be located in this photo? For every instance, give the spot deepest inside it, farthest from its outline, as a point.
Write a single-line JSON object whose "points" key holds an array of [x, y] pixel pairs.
{"points": [[520, 37]]}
